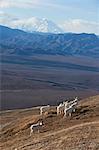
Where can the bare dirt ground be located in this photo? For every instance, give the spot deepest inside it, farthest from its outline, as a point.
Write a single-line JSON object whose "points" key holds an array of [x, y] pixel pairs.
{"points": [[80, 132]]}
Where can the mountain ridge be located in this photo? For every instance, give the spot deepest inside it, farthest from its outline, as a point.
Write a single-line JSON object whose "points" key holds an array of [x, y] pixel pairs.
{"points": [[23, 43]]}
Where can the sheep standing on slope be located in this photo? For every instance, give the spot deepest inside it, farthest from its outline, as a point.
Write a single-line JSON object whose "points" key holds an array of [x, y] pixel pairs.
{"points": [[60, 109], [44, 108], [66, 104], [74, 103], [70, 109], [35, 126], [75, 100]]}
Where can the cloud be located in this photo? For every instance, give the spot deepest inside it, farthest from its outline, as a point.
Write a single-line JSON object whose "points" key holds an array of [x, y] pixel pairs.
{"points": [[18, 3], [78, 26], [32, 4], [4, 3], [8, 3], [6, 19]]}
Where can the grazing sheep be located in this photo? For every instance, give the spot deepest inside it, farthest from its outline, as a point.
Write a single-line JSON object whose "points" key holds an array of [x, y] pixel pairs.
{"points": [[44, 108], [74, 105], [60, 109], [70, 109], [75, 100], [66, 105], [35, 126]]}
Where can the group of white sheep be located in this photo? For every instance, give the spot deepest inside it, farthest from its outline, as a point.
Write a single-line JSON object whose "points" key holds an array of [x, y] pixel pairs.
{"points": [[66, 108]]}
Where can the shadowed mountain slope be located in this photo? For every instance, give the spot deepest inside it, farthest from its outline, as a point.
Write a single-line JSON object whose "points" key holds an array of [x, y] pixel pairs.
{"points": [[14, 41]]}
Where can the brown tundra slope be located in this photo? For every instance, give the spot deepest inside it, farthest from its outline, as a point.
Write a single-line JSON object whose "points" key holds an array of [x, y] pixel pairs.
{"points": [[80, 132]]}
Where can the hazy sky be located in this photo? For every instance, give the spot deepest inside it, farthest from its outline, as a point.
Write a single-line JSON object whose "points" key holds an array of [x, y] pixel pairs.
{"points": [[60, 11]]}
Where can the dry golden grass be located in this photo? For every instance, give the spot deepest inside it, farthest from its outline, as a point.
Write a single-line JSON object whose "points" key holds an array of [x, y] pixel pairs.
{"points": [[80, 132]]}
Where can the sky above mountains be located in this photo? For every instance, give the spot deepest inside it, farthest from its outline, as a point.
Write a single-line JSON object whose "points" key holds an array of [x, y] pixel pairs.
{"points": [[69, 15]]}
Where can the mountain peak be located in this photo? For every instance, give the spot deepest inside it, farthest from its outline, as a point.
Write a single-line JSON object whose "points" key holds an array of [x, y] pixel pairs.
{"points": [[36, 24]]}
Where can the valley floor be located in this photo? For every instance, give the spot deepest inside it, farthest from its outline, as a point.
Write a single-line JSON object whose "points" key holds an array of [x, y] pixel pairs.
{"points": [[46, 79]]}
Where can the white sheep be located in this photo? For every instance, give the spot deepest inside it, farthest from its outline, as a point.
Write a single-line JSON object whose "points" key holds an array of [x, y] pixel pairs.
{"points": [[44, 108], [73, 101], [66, 104], [70, 109], [35, 126], [60, 108], [74, 105], [63, 106]]}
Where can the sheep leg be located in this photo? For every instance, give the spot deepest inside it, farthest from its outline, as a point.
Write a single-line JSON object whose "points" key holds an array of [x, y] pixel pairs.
{"points": [[57, 111], [65, 113], [70, 114], [74, 110], [41, 112], [31, 132], [38, 131]]}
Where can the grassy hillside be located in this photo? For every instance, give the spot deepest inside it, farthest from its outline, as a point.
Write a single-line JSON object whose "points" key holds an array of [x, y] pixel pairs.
{"points": [[81, 131]]}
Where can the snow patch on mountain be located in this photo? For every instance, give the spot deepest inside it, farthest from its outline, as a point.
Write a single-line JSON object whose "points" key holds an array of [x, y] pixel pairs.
{"points": [[34, 24]]}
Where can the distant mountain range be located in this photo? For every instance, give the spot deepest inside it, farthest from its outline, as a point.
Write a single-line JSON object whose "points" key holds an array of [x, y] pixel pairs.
{"points": [[15, 41]]}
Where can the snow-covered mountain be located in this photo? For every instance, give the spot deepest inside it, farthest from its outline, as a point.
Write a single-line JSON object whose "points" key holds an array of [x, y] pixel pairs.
{"points": [[35, 24]]}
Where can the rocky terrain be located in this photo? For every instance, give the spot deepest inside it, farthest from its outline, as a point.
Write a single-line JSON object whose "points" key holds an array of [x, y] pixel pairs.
{"points": [[80, 132]]}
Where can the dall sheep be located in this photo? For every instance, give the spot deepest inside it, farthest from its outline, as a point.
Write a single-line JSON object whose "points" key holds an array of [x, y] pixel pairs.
{"points": [[70, 109], [74, 105], [73, 101], [66, 105], [44, 108], [35, 126], [60, 109]]}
